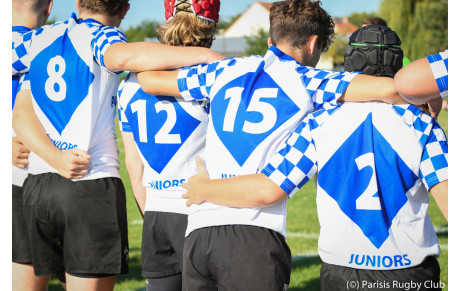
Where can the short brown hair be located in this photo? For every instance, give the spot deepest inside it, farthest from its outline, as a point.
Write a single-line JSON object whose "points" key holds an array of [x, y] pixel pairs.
{"points": [[106, 7], [187, 29], [374, 21], [294, 21]]}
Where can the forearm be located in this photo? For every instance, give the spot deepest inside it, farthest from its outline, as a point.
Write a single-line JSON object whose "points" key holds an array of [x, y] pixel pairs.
{"points": [[440, 195], [369, 88], [159, 82], [144, 56], [29, 129], [135, 169], [255, 190]]}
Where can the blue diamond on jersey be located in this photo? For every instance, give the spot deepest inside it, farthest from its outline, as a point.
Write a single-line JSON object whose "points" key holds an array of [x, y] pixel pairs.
{"points": [[60, 81], [393, 178], [240, 143]]}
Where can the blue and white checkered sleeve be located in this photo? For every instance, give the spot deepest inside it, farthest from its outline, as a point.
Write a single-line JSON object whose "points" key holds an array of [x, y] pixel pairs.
{"points": [[295, 164], [325, 86], [104, 37], [20, 54], [24, 82], [195, 82], [434, 165], [439, 64]]}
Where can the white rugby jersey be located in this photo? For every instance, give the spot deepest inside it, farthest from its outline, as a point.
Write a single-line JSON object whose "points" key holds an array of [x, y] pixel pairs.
{"points": [[18, 175], [439, 63], [74, 95], [375, 163], [169, 134], [255, 103]]}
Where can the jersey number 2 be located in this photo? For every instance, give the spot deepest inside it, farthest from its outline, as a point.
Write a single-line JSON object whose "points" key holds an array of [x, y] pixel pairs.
{"points": [[366, 200]]}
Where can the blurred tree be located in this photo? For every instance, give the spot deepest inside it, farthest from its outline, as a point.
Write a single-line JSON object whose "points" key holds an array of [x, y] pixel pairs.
{"points": [[51, 20], [357, 17], [142, 31], [337, 48], [421, 25], [257, 43]]}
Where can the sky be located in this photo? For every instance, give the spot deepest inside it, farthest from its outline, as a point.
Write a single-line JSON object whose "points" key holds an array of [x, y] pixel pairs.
{"points": [[154, 10]]}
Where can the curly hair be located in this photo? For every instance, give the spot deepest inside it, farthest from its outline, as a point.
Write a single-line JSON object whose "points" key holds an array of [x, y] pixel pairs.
{"points": [[294, 21], [107, 7], [187, 29]]}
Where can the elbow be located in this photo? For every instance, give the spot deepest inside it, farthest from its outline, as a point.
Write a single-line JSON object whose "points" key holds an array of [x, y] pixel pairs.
{"points": [[270, 194], [145, 80], [116, 58], [403, 85]]}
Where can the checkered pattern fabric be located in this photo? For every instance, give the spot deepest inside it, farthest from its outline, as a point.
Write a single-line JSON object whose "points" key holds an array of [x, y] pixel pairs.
{"points": [[20, 57], [103, 39], [195, 82], [439, 66], [324, 86], [434, 165], [294, 165], [24, 82]]}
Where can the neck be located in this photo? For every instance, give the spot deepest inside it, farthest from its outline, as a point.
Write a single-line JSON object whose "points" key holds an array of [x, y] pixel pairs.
{"points": [[109, 20], [298, 54], [30, 20]]}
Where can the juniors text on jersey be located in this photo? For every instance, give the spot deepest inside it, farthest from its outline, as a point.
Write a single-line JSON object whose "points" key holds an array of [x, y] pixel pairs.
{"points": [[375, 163]]}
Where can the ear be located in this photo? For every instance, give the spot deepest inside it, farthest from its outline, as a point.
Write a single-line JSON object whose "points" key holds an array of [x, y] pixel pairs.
{"points": [[124, 11], [312, 42], [48, 7], [269, 41], [77, 2]]}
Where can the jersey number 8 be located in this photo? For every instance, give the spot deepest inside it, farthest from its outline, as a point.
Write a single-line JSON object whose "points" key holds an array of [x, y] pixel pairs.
{"points": [[55, 86]]}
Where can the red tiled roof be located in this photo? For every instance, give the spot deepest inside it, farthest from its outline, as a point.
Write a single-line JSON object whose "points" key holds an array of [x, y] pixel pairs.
{"points": [[266, 5], [344, 26]]}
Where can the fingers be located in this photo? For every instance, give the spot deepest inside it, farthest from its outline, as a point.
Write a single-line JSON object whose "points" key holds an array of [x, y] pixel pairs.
{"points": [[20, 163], [83, 154], [200, 166]]}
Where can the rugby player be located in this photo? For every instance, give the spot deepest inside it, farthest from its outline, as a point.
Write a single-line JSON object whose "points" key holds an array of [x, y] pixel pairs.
{"points": [[375, 164], [161, 137]]}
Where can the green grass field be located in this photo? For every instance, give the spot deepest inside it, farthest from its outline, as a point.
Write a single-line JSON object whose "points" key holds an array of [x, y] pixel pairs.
{"points": [[302, 229]]}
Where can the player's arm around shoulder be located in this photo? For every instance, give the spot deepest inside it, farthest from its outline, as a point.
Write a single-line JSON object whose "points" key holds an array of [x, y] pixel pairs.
{"points": [[439, 192], [416, 83], [255, 190], [159, 82], [143, 56], [370, 88]]}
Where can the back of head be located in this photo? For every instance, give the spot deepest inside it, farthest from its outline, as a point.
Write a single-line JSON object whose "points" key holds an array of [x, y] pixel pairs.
{"points": [[32, 5], [374, 21], [292, 22], [374, 50], [103, 7], [189, 25]]}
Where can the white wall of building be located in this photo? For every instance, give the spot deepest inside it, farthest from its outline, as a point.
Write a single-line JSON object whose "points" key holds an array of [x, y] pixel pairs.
{"points": [[255, 18]]}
